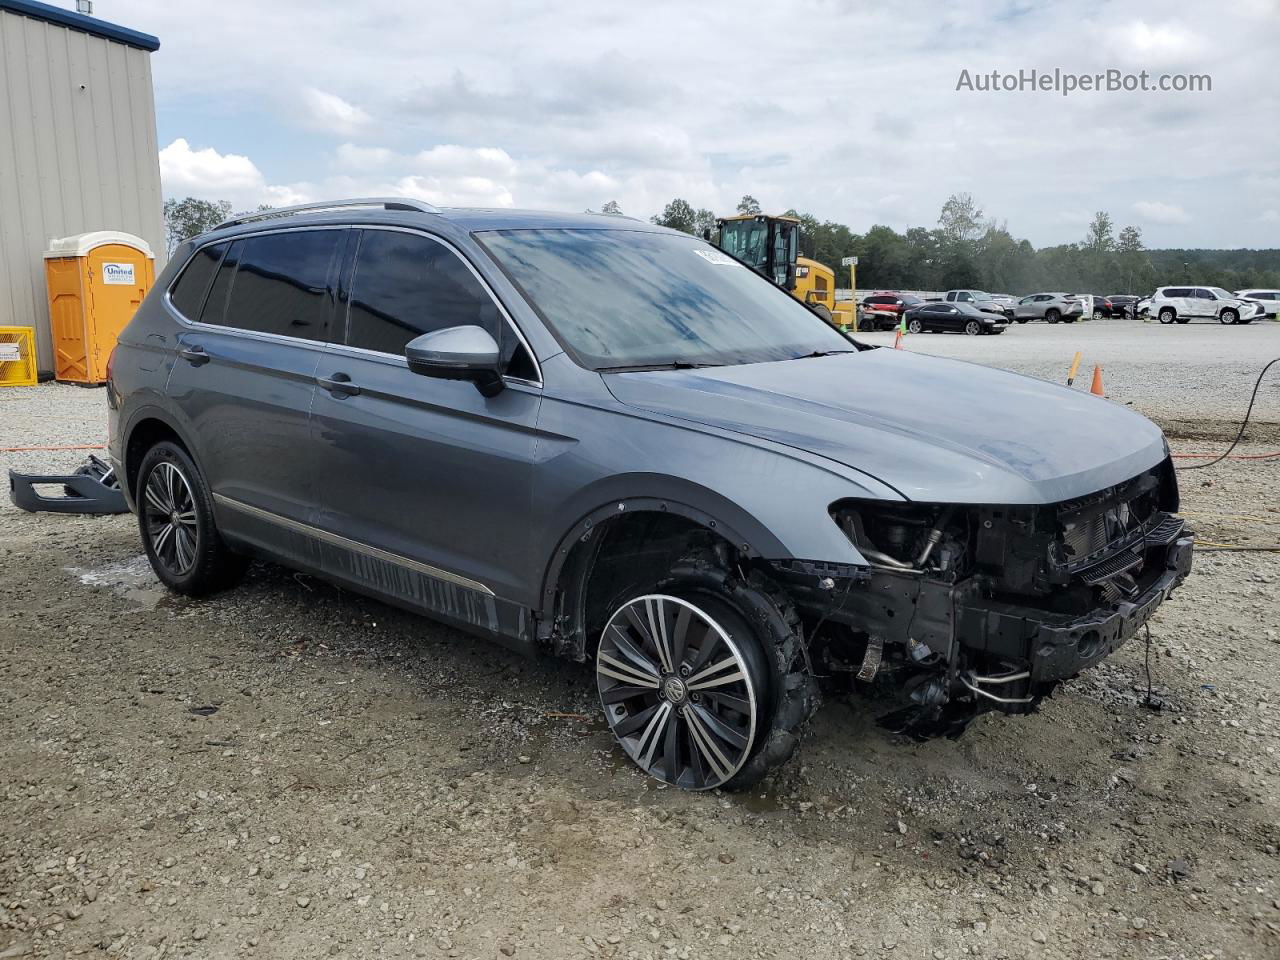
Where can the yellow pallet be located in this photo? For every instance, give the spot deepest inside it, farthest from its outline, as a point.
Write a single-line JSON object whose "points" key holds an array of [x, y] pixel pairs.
{"points": [[17, 357]]}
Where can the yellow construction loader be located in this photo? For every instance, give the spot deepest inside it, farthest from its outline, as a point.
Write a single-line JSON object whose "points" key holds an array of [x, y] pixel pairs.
{"points": [[771, 245]]}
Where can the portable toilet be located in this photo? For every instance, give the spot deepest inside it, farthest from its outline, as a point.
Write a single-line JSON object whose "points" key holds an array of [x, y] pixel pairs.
{"points": [[96, 281]]}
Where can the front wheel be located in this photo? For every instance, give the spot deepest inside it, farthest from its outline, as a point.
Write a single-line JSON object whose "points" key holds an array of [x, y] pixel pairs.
{"points": [[1167, 315], [702, 681], [175, 518], [1097, 314], [973, 328], [1052, 316], [914, 326], [1228, 316]]}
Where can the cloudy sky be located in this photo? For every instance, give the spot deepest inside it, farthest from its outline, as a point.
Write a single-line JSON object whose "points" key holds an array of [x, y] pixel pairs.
{"points": [[847, 110]]}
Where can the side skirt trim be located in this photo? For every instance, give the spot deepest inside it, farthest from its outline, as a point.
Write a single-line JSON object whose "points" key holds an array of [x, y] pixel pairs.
{"points": [[355, 546]]}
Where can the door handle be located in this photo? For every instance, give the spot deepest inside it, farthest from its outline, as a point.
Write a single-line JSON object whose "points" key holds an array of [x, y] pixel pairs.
{"points": [[339, 385], [194, 355]]}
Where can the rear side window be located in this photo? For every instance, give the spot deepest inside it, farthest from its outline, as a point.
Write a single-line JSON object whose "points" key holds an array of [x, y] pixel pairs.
{"points": [[281, 283], [406, 285], [187, 295], [1177, 292]]}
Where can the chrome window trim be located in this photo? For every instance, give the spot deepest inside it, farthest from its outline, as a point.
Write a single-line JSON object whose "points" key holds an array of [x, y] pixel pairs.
{"points": [[342, 347], [336, 539]]}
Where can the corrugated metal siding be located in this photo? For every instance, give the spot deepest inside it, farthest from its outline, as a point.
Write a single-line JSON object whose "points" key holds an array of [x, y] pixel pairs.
{"points": [[78, 152]]}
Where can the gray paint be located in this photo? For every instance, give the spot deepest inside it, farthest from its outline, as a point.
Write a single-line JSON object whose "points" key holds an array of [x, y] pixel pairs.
{"points": [[494, 489], [72, 159]]}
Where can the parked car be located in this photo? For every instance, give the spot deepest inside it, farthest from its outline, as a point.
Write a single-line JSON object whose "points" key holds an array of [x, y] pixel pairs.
{"points": [[1048, 306], [953, 318], [1100, 307], [1143, 307], [603, 440], [1269, 300], [1123, 305], [980, 299], [1182, 304], [878, 305]]}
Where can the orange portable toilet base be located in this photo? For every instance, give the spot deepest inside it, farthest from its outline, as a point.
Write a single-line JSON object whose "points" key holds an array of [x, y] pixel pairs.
{"points": [[96, 282]]}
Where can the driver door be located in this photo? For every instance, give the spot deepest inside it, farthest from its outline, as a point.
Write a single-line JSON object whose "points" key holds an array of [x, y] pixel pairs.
{"points": [[425, 484]]}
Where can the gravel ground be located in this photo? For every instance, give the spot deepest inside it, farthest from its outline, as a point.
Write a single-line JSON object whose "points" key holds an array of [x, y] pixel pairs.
{"points": [[287, 770], [1193, 379]]}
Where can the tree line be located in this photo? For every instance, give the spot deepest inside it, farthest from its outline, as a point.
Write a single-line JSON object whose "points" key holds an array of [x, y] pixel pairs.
{"points": [[968, 249], [965, 249]]}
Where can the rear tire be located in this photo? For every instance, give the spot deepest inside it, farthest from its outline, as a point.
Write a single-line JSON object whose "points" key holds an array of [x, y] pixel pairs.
{"points": [[821, 310], [746, 718], [175, 519], [1167, 315]]}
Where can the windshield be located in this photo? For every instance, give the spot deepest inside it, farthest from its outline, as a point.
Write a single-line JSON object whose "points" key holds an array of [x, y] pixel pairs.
{"points": [[1221, 294], [621, 298]]}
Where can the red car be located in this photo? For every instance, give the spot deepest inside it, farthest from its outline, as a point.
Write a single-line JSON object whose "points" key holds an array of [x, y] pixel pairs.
{"points": [[883, 310]]}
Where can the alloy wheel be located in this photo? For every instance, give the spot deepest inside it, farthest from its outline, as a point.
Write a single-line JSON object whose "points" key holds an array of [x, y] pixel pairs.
{"points": [[677, 692], [915, 326], [170, 513], [973, 328]]}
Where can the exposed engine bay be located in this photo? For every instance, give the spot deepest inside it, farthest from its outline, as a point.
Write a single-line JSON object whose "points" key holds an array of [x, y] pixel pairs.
{"points": [[968, 608]]}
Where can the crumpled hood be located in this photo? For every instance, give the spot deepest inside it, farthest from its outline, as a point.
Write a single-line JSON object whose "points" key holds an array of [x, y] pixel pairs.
{"points": [[936, 430]]}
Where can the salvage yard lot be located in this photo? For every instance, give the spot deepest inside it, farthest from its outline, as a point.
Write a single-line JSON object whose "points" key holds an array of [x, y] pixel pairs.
{"points": [[287, 770]]}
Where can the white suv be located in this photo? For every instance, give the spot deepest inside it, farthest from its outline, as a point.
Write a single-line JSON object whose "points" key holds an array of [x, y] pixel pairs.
{"points": [[1181, 304], [1269, 300]]}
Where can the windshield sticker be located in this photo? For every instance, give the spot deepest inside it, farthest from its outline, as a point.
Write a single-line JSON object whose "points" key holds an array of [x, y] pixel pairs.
{"points": [[715, 256]]}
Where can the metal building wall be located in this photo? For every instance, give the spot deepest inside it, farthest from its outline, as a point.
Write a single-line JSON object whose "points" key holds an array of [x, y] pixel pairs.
{"points": [[78, 152]]}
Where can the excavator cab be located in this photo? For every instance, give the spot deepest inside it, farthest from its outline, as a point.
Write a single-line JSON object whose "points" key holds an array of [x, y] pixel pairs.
{"points": [[769, 244]]}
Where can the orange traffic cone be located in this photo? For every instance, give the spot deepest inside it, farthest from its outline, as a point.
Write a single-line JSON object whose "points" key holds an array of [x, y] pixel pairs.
{"points": [[897, 339], [1096, 389]]}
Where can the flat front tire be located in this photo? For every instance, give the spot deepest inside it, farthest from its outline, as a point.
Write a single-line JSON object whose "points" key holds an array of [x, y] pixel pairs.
{"points": [[175, 519]]}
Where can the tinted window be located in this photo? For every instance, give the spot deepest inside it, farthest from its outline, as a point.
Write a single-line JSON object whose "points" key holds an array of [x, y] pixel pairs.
{"points": [[188, 293], [1203, 294], [406, 285], [878, 300], [281, 285], [1177, 292], [939, 308], [215, 304]]}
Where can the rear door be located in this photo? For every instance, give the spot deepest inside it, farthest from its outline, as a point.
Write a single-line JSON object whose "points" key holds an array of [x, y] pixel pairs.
{"points": [[244, 379], [425, 484]]}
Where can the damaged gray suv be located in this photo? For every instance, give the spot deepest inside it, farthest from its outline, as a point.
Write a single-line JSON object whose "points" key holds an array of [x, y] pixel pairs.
{"points": [[594, 438]]}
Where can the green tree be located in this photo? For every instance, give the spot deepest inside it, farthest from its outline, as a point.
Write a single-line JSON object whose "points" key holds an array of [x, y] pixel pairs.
{"points": [[961, 219], [748, 204], [612, 208], [1099, 239], [678, 215], [704, 224], [184, 219]]}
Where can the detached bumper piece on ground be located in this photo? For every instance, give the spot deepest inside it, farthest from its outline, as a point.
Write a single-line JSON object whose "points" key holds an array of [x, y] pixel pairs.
{"points": [[93, 488]]}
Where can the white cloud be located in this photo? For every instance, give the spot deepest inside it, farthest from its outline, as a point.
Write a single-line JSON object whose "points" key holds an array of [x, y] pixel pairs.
{"points": [[1158, 212], [330, 113], [625, 107], [1269, 216], [206, 171]]}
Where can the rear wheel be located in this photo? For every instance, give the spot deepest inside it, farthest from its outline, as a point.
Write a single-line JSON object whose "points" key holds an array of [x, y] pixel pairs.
{"points": [[973, 328], [914, 325], [1167, 315], [1228, 316], [175, 518], [1097, 314], [821, 310], [702, 680]]}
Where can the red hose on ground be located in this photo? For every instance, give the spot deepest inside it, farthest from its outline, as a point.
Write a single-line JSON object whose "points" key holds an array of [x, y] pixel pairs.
{"points": [[73, 446]]}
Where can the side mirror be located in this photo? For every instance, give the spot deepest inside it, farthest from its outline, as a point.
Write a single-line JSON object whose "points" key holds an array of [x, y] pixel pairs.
{"points": [[457, 353]]}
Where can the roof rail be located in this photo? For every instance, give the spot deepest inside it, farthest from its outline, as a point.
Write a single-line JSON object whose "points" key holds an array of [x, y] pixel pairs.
{"points": [[386, 203]]}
